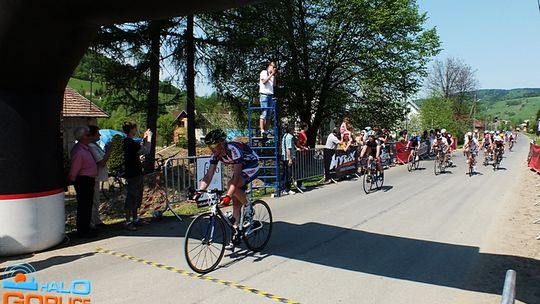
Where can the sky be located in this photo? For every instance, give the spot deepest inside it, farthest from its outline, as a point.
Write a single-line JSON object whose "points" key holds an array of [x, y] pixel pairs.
{"points": [[499, 39]]}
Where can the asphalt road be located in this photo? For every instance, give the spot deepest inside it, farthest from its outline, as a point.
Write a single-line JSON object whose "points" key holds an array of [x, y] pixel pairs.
{"points": [[415, 241]]}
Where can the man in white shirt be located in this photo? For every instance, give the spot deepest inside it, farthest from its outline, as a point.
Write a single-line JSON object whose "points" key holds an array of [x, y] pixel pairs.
{"points": [[329, 150], [267, 81]]}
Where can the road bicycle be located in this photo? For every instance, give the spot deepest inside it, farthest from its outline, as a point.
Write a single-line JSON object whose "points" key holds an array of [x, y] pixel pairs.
{"points": [[472, 162], [373, 179], [498, 158], [440, 163], [206, 236], [414, 161], [114, 186]]}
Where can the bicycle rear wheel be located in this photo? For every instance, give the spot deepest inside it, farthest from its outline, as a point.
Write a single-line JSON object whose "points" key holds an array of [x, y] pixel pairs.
{"points": [[258, 234], [112, 187], [205, 243]]}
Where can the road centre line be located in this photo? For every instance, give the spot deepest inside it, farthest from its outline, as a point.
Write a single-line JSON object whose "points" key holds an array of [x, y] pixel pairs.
{"points": [[198, 276]]}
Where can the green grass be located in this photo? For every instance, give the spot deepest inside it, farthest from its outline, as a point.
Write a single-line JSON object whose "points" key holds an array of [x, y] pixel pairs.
{"points": [[518, 109], [83, 86]]}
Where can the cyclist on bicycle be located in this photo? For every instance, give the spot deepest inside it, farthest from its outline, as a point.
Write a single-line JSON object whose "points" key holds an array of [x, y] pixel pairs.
{"points": [[245, 164], [413, 144], [373, 148], [449, 144], [471, 149], [486, 143], [441, 144], [498, 145]]}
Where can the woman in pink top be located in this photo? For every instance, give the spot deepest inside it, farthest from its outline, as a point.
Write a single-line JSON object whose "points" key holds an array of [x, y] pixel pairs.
{"points": [[82, 174], [345, 127]]}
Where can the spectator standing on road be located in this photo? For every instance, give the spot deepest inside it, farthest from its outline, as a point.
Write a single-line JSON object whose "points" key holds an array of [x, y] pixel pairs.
{"points": [[303, 148], [134, 171], [287, 156], [82, 174], [267, 82], [332, 141], [101, 157]]}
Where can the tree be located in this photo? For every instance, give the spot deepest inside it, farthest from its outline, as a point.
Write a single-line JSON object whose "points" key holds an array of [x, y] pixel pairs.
{"points": [[437, 113], [333, 55], [134, 76], [453, 79], [166, 128]]}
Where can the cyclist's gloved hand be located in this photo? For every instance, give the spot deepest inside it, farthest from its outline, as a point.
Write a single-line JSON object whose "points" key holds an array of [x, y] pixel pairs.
{"points": [[226, 200], [196, 195]]}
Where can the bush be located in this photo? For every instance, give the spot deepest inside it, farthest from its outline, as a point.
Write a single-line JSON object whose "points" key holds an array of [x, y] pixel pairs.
{"points": [[182, 142], [116, 160]]}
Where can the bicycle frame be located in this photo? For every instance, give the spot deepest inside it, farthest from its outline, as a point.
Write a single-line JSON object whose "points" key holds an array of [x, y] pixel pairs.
{"points": [[213, 203]]}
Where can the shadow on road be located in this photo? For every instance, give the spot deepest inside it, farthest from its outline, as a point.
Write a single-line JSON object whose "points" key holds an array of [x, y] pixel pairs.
{"points": [[436, 263], [46, 263], [402, 258]]}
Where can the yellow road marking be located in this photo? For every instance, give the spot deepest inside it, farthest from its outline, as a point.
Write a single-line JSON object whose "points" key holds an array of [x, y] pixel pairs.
{"points": [[198, 276]]}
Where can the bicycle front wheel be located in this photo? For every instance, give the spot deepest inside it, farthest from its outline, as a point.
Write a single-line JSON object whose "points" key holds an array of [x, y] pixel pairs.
{"points": [[410, 163], [379, 179], [205, 243], [258, 234], [366, 181], [436, 167]]}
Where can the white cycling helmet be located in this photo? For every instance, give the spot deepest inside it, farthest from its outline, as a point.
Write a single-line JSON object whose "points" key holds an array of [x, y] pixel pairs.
{"points": [[443, 131], [469, 133]]}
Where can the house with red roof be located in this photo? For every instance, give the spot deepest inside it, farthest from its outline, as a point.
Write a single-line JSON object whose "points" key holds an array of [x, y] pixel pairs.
{"points": [[77, 111]]}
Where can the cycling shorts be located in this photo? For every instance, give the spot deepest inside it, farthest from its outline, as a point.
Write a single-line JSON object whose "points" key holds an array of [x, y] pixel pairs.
{"points": [[248, 175]]}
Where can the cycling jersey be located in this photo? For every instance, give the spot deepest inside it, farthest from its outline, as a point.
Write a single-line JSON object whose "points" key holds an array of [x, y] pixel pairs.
{"points": [[441, 143], [413, 142], [473, 145], [372, 145], [240, 153]]}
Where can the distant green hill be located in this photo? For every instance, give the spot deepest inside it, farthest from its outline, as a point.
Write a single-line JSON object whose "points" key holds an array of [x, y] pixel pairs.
{"points": [[496, 95], [514, 105]]}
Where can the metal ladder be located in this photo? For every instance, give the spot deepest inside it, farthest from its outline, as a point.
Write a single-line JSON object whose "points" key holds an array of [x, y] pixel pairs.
{"points": [[267, 148]]}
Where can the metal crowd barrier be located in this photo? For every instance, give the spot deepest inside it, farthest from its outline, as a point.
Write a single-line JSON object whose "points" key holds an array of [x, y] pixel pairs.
{"points": [[509, 289], [180, 174], [308, 164]]}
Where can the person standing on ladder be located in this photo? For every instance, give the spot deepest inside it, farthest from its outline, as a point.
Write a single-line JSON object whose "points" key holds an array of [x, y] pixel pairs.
{"points": [[267, 82]]}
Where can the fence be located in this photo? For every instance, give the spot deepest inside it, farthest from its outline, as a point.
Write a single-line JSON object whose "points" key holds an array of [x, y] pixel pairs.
{"points": [[182, 173], [308, 164]]}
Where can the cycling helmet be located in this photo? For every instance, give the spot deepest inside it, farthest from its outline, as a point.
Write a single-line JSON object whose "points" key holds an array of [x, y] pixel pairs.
{"points": [[443, 131], [371, 133], [469, 133], [439, 135], [214, 137]]}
